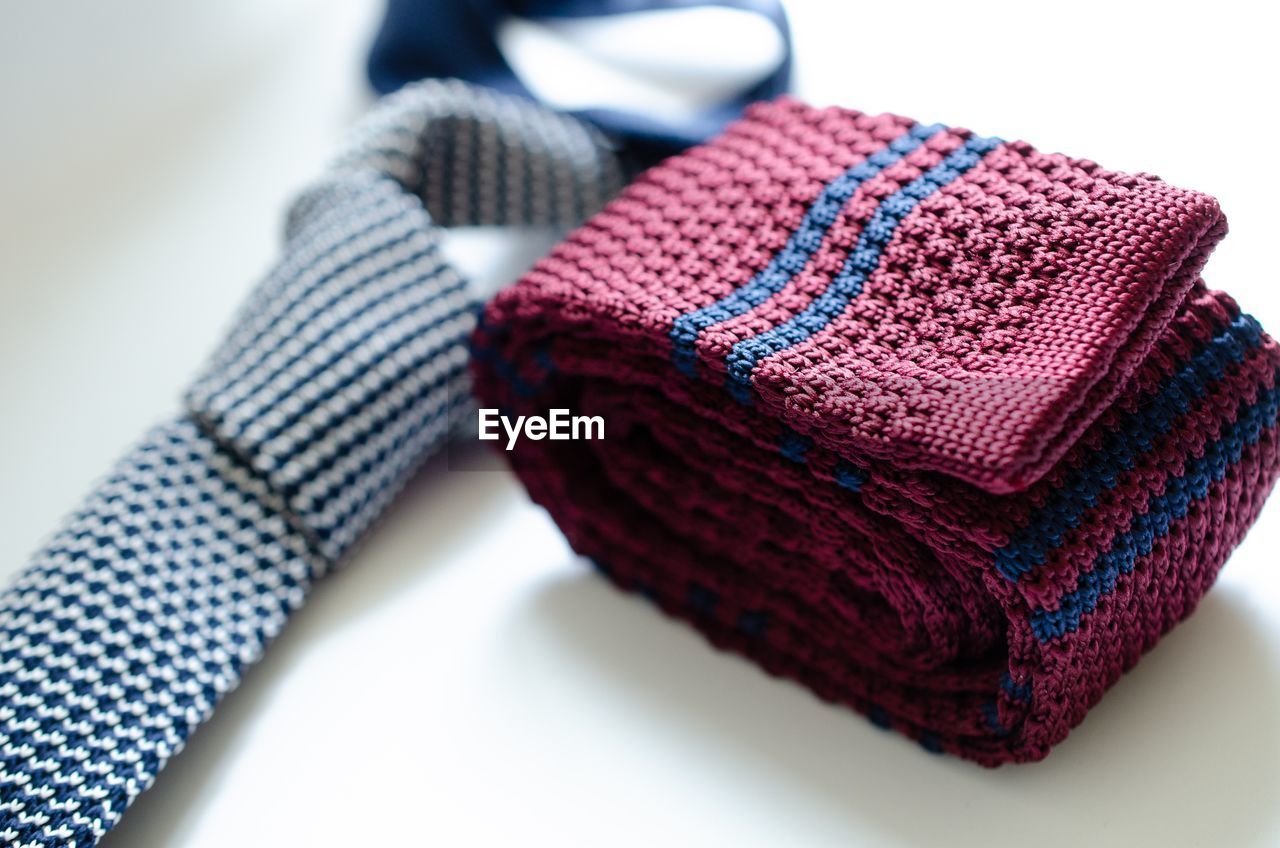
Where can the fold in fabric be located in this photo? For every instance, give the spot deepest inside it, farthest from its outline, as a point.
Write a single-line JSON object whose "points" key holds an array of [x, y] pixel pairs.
{"points": [[422, 39], [947, 429], [340, 376]]}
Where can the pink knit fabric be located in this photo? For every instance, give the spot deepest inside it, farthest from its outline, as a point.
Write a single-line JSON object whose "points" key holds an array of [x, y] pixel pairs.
{"points": [[943, 427]]}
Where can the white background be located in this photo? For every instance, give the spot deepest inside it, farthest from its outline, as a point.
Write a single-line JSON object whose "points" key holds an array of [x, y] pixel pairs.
{"points": [[465, 681]]}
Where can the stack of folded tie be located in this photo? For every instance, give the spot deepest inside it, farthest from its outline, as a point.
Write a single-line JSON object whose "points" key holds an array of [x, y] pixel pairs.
{"points": [[947, 429]]}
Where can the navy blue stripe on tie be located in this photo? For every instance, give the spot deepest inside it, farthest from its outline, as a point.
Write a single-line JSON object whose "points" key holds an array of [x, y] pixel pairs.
{"points": [[1181, 492], [862, 261], [796, 253], [1021, 692], [1134, 437]]}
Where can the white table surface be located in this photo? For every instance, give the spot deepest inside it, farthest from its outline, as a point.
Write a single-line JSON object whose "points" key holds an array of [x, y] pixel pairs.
{"points": [[466, 681]]}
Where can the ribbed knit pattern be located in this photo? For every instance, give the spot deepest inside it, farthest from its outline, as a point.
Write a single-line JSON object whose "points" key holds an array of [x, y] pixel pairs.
{"points": [[341, 375], [943, 427]]}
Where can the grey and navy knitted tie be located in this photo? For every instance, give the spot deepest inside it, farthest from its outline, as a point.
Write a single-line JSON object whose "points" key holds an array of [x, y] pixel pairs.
{"points": [[334, 384]]}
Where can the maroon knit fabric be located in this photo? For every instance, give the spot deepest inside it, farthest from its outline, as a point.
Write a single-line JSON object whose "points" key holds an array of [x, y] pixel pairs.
{"points": [[945, 428]]}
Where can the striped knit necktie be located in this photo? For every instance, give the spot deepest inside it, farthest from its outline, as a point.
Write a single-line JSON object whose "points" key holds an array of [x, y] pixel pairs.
{"points": [[333, 385]]}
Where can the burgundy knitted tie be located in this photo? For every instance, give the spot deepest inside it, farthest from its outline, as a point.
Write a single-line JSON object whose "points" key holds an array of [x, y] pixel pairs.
{"points": [[946, 428]]}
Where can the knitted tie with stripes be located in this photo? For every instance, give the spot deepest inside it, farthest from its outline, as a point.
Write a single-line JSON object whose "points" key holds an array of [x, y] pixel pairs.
{"points": [[948, 429], [334, 384]]}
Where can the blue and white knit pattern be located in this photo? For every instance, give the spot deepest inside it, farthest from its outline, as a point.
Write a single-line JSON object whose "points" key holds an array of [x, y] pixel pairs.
{"points": [[334, 384]]}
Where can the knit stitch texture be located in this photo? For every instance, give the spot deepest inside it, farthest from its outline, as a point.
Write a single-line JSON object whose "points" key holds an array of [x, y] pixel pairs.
{"points": [[342, 374], [945, 428]]}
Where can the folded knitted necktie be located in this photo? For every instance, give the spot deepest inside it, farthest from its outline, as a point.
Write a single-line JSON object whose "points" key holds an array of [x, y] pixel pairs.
{"points": [[458, 39], [340, 376], [945, 428]]}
